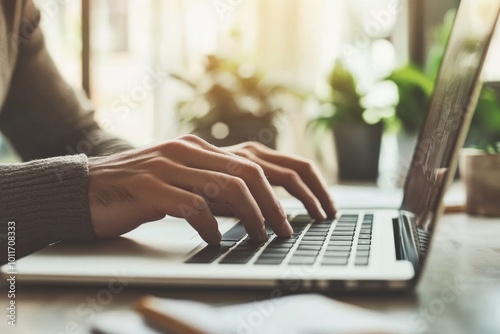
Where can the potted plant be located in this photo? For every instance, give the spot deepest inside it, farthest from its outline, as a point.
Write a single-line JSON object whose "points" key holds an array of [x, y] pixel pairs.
{"points": [[231, 103], [480, 169], [357, 129]]}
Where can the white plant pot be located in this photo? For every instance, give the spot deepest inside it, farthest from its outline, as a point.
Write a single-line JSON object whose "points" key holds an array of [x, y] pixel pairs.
{"points": [[481, 175]]}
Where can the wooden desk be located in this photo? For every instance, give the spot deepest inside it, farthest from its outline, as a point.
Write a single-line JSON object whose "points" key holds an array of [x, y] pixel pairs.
{"points": [[464, 261]]}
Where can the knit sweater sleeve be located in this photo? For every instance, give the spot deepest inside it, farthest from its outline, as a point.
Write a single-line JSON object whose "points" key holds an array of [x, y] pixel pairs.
{"points": [[46, 198], [44, 201]]}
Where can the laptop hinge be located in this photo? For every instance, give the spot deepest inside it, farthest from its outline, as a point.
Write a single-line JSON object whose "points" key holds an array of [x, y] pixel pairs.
{"points": [[406, 241]]}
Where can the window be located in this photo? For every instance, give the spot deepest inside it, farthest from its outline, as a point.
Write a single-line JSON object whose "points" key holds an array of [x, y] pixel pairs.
{"points": [[135, 44]]}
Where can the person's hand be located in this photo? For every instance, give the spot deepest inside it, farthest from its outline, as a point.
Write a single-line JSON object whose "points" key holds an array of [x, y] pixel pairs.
{"points": [[191, 179]]}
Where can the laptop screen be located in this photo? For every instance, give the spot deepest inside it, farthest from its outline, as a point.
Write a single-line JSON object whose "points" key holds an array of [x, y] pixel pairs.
{"points": [[453, 103]]}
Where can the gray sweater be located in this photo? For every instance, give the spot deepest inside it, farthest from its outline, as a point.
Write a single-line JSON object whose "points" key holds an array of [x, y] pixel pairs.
{"points": [[45, 198]]}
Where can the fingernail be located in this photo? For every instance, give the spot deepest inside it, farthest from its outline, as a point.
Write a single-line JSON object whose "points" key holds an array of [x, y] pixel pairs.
{"points": [[322, 216]]}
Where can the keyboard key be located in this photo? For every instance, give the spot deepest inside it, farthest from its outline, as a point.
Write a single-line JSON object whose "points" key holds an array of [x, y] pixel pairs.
{"points": [[365, 236], [339, 243], [341, 233], [345, 238], [349, 216], [364, 242], [235, 233], [363, 253], [361, 260], [272, 256], [313, 238], [337, 254], [344, 229], [365, 230], [210, 253], [316, 234], [271, 246], [306, 252], [248, 246], [326, 221], [338, 248], [334, 261], [276, 250], [302, 260], [311, 242], [363, 247], [320, 227], [309, 247], [266, 261], [346, 223], [236, 257]]}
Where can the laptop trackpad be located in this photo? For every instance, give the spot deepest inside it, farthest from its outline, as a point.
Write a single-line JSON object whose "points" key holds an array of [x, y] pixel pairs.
{"points": [[169, 238]]}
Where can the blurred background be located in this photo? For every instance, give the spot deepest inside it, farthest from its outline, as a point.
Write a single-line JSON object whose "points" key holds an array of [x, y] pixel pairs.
{"points": [[345, 83]]}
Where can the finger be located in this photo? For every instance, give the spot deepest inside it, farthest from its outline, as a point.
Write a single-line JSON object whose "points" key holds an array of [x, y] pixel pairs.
{"points": [[183, 204], [218, 188], [306, 170], [253, 177], [206, 145], [292, 183], [281, 226]]}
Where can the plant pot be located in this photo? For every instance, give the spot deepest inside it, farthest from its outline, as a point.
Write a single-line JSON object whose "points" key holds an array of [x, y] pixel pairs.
{"points": [[358, 150], [481, 175], [241, 130]]}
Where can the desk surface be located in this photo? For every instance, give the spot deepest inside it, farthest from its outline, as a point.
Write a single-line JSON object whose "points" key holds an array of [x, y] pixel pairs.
{"points": [[464, 259]]}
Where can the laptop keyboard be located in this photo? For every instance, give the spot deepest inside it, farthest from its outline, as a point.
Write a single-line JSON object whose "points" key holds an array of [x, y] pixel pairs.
{"points": [[329, 243]]}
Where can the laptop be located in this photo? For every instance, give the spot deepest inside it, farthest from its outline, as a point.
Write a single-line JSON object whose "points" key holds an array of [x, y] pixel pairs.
{"points": [[362, 249]]}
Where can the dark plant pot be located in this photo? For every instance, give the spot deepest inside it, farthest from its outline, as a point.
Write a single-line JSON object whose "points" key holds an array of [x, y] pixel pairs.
{"points": [[358, 150], [258, 129]]}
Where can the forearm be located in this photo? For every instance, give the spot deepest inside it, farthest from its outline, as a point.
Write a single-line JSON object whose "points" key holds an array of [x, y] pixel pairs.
{"points": [[41, 114], [92, 141], [48, 202]]}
